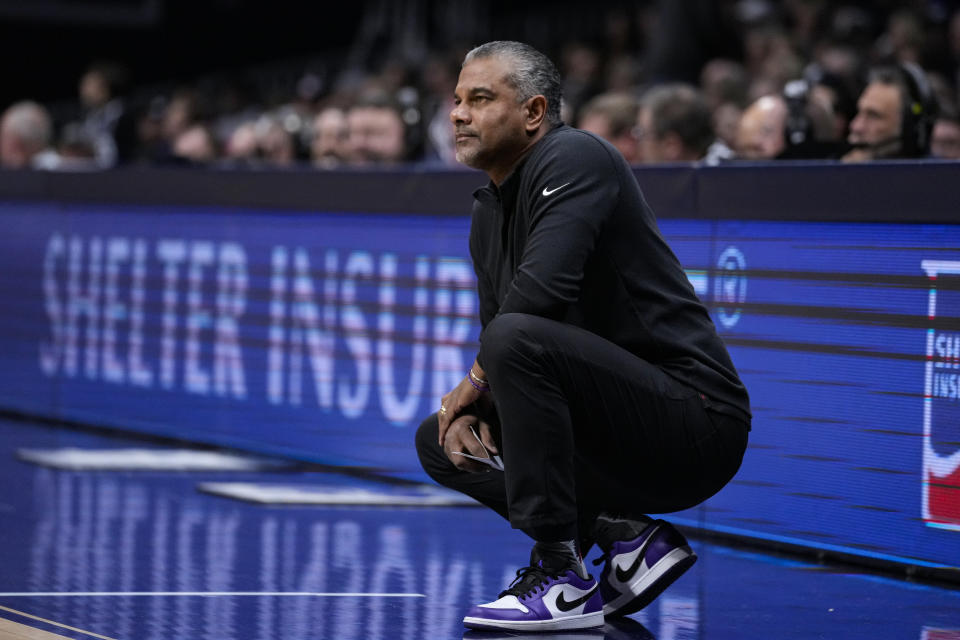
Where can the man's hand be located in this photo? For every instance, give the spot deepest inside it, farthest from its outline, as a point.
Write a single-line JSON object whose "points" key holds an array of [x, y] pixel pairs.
{"points": [[459, 438], [452, 404]]}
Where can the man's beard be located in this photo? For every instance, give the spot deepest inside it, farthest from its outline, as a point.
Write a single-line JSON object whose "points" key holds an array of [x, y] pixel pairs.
{"points": [[467, 157]]}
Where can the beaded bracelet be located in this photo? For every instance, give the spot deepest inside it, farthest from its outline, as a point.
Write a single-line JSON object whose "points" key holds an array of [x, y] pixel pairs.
{"points": [[478, 383]]}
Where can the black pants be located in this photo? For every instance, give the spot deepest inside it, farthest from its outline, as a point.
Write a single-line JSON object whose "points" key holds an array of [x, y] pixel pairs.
{"points": [[588, 427]]}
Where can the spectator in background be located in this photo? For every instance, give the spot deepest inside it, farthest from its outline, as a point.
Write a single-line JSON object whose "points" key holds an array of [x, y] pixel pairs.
{"points": [[163, 120], [180, 112], [797, 124], [276, 145], [945, 142], [328, 146], [726, 120], [241, 149], [613, 117], [26, 133], [895, 116], [675, 125], [377, 134], [294, 118], [105, 120], [725, 84], [195, 145], [152, 147], [760, 133], [738, 50], [261, 143]]}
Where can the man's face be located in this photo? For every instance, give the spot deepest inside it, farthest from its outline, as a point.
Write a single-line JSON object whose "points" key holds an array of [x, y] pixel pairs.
{"points": [[760, 130], [877, 124], [376, 135], [488, 122], [945, 142], [330, 134], [94, 91]]}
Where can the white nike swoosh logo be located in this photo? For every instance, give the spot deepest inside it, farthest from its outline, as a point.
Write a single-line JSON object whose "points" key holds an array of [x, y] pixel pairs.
{"points": [[547, 191]]}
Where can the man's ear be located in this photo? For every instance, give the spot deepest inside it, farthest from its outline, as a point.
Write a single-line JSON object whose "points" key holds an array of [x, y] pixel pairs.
{"points": [[536, 113]]}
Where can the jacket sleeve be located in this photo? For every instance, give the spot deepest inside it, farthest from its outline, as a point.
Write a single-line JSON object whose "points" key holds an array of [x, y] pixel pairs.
{"points": [[486, 295], [571, 192]]}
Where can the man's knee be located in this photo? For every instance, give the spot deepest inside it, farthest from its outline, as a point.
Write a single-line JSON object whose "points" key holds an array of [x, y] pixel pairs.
{"points": [[510, 335], [428, 449]]}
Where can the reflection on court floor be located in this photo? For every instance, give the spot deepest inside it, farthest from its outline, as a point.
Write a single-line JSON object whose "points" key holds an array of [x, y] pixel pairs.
{"points": [[146, 556]]}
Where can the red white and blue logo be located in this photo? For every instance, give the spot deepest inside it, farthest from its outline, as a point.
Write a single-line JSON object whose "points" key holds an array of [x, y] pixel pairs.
{"points": [[941, 397]]}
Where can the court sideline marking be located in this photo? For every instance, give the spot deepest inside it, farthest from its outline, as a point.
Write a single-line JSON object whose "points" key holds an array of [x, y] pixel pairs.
{"points": [[48, 636], [166, 594], [10, 630]]}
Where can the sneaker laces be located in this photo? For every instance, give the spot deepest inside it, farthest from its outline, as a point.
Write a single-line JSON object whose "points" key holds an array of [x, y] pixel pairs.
{"points": [[529, 580], [606, 546]]}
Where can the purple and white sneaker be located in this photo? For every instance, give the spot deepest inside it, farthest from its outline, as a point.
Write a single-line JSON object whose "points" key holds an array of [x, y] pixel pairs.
{"points": [[637, 570], [542, 600]]}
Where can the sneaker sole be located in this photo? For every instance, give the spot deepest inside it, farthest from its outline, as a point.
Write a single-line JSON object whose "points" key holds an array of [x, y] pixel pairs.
{"points": [[586, 621], [652, 583]]}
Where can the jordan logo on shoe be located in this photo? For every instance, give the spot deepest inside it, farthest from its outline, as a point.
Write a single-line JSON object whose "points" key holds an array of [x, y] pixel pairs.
{"points": [[564, 605], [625, 574]]}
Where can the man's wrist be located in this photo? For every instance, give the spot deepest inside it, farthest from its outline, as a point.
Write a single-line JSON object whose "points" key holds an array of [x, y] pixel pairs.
{"points": [[479, 383]]}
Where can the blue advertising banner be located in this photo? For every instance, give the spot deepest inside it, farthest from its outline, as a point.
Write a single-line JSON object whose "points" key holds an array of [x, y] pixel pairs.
{"points": [[322, 336], [329, 336], [846, 336]]}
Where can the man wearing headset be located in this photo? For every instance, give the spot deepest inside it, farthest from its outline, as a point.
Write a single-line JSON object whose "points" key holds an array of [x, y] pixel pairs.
{"points": [[895, 115]]}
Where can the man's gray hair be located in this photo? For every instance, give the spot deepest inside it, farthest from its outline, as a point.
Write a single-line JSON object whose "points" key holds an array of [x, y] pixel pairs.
{"points": [[532, 74], [30, 122]]}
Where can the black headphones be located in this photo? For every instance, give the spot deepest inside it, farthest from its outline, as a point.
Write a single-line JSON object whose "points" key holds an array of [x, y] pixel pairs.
{"points": [[919, 111]]}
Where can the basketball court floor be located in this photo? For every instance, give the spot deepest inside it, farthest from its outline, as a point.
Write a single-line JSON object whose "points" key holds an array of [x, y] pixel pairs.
{"points": [[126, 551]]}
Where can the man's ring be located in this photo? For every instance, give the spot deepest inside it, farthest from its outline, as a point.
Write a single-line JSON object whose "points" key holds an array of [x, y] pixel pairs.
{"points": [[443, 410]]}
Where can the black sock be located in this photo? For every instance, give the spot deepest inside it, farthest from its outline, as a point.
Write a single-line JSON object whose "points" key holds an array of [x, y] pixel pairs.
{"points": [[558, 557], [612, 528]]}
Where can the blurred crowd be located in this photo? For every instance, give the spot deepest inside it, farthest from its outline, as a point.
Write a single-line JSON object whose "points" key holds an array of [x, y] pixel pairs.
{"points": [[707, 82]]}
